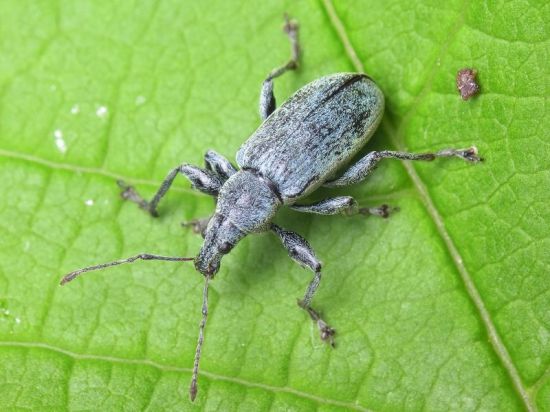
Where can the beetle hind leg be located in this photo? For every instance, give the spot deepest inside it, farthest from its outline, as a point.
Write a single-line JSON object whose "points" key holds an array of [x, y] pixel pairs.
{"points": [[267, 98]]}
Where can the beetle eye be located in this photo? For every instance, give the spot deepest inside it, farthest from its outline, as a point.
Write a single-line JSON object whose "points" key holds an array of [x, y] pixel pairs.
{"points": [[225, 247]]}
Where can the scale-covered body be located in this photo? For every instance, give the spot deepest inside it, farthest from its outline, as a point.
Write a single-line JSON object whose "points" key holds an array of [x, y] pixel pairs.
{"points": [[314, 133]]}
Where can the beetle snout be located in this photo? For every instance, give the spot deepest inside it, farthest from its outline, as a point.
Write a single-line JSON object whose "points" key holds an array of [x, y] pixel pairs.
{"points": [[207, 268]]}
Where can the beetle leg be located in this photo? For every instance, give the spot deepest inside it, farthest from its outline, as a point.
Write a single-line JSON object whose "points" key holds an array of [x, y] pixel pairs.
{"points": [[346, 205], [267, 99], [204, 180], [301, 252], [198, 225], [219, 165], [367, 164]]}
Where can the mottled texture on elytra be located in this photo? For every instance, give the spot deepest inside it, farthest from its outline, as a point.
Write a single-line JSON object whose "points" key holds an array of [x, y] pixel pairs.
{"points": [[314, 133]]}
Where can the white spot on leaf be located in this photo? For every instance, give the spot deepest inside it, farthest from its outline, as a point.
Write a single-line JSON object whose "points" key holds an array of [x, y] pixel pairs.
{"points": [[59, 142], [75, 109], [89, 202], [140, 100], [102, 111]]}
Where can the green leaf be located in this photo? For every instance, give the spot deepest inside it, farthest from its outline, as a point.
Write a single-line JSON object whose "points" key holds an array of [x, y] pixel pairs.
{"points": [[444, 306]]}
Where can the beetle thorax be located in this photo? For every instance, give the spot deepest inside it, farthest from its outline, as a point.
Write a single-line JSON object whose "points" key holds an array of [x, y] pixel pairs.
{"points": [[247, 203]]}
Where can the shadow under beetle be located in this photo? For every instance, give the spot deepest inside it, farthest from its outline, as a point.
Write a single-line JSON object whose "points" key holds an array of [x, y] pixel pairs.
{"points": [[298, 148]]}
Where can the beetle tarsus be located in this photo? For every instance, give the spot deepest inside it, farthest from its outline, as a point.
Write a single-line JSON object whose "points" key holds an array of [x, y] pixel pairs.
{"points": [[384, 211], [291, 28], [470, 154], [129, 193], [198, 226], [267, 98], [325, 331]]}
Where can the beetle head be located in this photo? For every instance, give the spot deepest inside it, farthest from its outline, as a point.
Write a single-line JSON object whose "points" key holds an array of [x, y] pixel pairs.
{"points": [[220, 237], [246, 204]]}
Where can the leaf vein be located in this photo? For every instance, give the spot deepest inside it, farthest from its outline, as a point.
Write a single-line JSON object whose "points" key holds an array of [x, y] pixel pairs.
{"points": [[495, 339], [171, 368]]}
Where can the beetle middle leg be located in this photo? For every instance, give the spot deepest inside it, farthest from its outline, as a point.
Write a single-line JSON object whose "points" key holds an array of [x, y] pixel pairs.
{"points": [[367, 164], [343, 204], [300, 251], [267, 99]]}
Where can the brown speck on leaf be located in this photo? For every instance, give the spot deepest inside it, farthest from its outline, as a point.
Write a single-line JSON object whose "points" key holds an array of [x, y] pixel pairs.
{"points": [[466, 83]]}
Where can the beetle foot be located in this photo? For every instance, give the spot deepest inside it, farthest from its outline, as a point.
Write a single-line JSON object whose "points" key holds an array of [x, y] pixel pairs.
{"points": [[198, 226], [470, 154], [325, 331], [384, 211], [129, 193], [291, 26]]}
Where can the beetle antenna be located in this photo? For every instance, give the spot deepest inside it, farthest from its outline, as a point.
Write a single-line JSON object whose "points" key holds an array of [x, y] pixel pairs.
{"points": [[142, 256], [193, 386]]}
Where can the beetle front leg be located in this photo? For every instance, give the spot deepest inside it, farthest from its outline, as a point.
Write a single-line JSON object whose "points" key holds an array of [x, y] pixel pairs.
{"points": [[198, 226], [346, 205], [367, 164], [204, 180], [301, 252], [218, 164], [267, 99]]}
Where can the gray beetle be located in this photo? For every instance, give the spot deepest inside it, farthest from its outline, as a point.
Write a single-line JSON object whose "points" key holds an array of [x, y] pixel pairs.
{"points": [[298, 148]]}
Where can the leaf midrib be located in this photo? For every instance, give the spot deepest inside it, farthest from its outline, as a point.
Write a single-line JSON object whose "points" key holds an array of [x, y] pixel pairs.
{"points": [[396, 139]]}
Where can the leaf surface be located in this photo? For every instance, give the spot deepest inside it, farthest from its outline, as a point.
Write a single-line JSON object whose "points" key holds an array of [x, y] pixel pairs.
{"points": [[444, 306]]}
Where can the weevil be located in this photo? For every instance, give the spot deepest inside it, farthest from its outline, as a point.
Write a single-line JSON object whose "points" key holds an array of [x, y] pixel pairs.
{"points": [[305, 144]]}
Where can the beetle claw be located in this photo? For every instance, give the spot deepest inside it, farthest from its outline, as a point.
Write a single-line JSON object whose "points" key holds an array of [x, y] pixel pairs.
{"points": [[327, 333], [470, 155]]}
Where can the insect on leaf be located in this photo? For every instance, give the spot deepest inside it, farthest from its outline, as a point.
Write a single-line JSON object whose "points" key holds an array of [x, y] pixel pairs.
{"points": [[443, 306]]}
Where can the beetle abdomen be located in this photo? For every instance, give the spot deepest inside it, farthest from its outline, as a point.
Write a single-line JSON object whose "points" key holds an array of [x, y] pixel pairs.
{"points": [[319, 129]]}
